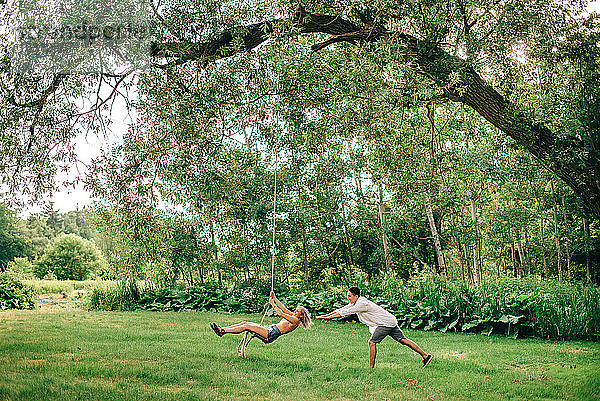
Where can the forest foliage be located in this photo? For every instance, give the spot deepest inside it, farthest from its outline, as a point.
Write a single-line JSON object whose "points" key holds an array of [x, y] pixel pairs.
{"points": [[381, 163]]}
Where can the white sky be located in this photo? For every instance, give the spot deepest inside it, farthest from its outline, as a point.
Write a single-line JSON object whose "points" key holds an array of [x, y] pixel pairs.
{"points": [[71, 199], [67, 199]]}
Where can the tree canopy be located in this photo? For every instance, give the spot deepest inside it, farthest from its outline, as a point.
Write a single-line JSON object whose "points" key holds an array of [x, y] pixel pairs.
{"points": [[531, 70], [70, 257]]}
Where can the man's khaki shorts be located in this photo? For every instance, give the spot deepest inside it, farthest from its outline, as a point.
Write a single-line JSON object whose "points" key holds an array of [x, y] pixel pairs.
{"points": [[381, 332]]}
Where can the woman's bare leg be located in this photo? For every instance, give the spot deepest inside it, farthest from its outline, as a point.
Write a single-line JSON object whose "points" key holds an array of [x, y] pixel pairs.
{"points": [[246, 326]]}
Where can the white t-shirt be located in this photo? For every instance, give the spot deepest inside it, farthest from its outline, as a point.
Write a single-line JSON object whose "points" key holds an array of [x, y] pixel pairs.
{"points": [[369, 313]]}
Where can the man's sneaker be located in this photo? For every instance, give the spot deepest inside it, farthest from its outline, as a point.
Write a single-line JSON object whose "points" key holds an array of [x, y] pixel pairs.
{"points": [[427, 360]]}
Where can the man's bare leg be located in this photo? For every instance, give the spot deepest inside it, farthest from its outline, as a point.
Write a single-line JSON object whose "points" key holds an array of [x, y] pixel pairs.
{"points": [[372, 353], [412, 345]]}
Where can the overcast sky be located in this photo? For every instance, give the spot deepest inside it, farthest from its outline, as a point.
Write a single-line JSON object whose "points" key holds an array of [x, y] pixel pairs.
{"points": [[68, 199]]}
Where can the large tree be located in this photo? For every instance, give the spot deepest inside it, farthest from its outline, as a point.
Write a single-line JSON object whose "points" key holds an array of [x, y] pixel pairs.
{"points": [[529, 68]]}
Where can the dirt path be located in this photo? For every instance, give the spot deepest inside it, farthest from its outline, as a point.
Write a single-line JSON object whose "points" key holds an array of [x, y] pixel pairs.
{"points": [[46, 300]]}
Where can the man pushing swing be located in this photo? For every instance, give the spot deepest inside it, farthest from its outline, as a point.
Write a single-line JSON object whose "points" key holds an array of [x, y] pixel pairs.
{"points": [[381, 324]]}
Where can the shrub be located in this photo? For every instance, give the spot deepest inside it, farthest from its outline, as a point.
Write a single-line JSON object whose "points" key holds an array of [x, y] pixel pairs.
{"points": [[14, 294], [526, 307], [206, 298], [515, 307], [20, 268], [69, 257], [319, 302], [64, 286]]}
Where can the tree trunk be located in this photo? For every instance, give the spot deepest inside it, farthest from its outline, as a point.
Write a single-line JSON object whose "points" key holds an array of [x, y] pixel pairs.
{"points": [[567, 250], [469, 271], [330, 256], [556, 235], [513, 258], [200, 273], [359, 191], [458, 248], [387, 259], [437, 243], [305, 258], [476, 246], [520, 252], [586, 230], [527, 250], [246, 268], [461, 258], [464, 246], [543, 242], [503, 262], [325, 241], [198, 263], [304, 241], [215, 253], [345, 227]]}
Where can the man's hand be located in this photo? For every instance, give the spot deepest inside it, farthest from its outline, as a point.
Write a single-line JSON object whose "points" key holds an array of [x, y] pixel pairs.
{"points": [[329, 316]]}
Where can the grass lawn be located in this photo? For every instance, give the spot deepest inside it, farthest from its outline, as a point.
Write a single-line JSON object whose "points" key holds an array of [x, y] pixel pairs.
{"points": [[65, 353]]}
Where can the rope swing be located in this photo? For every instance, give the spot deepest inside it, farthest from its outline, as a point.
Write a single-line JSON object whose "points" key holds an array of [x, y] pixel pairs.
{"points": [[274, 211], [246, 338]]}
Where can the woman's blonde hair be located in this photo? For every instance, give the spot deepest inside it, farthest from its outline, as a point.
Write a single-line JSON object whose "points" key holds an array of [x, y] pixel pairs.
{"points": [[305, 317]]}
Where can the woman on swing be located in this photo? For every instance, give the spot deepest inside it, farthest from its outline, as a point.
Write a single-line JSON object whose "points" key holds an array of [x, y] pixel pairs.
{"points": [[289, 322]]}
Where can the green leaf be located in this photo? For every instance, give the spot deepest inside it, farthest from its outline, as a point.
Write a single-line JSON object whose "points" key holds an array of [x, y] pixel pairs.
{"points": [[470, 325], [450, 326]]}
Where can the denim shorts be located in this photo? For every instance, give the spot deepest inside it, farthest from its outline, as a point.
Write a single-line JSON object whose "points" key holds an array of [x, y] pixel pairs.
{"points": [[272, 333], [381, 332]]}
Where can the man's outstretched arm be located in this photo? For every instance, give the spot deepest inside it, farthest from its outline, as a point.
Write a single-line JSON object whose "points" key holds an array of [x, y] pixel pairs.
{"points": [[330, 315]]}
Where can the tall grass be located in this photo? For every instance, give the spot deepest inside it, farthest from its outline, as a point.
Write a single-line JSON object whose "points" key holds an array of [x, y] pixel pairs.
{"points": [[122, 295]]}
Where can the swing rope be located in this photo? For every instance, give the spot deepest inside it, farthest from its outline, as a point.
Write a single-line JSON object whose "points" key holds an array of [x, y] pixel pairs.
{"points": [[246, 338], [274, 211]]}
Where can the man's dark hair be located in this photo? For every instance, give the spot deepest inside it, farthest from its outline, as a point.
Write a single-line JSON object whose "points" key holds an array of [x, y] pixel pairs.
{"points": [[354, 290]]}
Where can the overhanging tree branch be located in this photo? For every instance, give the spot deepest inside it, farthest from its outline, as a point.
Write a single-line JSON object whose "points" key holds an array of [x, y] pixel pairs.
{"points": [[569, 157], [565, 155]]}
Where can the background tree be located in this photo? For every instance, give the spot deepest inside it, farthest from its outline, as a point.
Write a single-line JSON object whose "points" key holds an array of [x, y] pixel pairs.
{"points": [[12, 242], [70, 257]]}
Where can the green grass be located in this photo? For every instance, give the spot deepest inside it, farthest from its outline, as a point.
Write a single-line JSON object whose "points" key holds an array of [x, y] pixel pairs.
{"points": [[64, 353]]}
